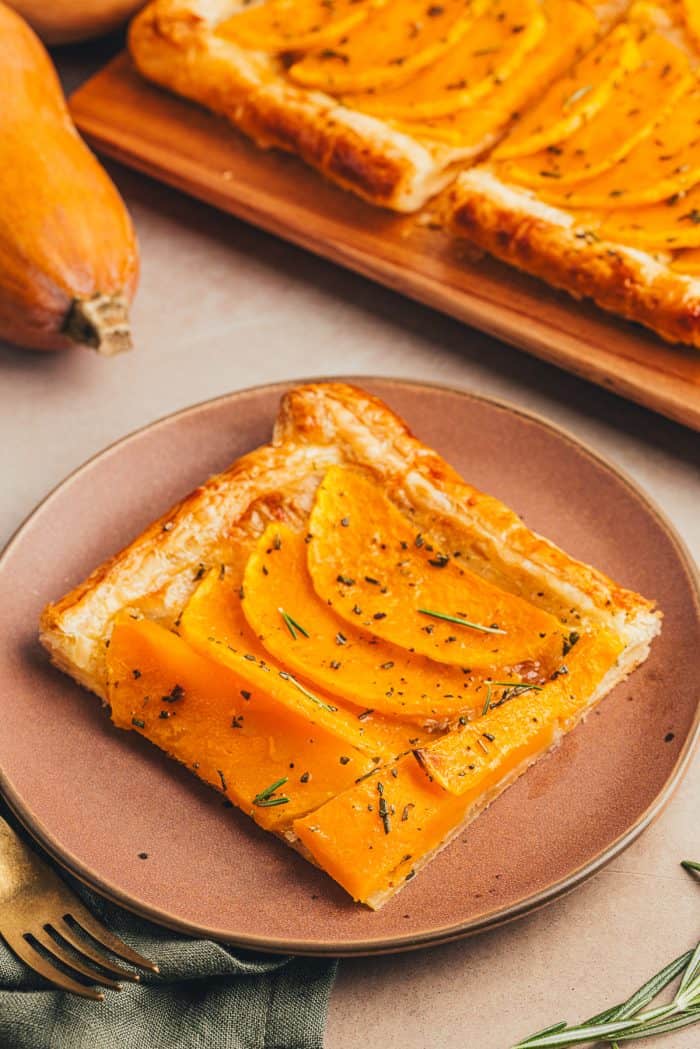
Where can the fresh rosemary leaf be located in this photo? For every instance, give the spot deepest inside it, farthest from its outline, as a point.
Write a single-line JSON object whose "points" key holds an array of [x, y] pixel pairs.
{"points": [[286, 676], [291, 624], [646, 992], [690, 865], [625, 1022], [461, 622], [690, 974], [263, 796], [673, 1023], [487, 701], [520, 685], [562, 1038], [552, 1029]]}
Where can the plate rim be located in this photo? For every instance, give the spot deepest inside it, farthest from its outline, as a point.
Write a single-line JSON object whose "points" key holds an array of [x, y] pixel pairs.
{"points": [[383, 944]]}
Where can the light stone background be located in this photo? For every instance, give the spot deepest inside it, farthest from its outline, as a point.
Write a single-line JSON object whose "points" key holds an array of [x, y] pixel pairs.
{"points": [[222, 306]]}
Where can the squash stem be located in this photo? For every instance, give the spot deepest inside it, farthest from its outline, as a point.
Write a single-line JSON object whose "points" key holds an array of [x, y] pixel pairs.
{"points": [[102, 322]]}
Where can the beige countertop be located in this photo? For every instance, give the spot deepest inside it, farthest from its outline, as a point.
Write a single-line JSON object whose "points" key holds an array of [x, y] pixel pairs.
{"points": [[222, 306]]}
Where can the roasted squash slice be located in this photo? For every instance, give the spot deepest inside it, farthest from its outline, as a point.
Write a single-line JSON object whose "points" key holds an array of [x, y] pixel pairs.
{"points": [[570, 30], [372, 838], [521, 722], [691, 11], [576, 98], [239, 740], [376, 572], [636, 104], [288, 25], [391, 45], [300, 630], [213, 623], [667, 226], [688, 262], [495, 47], [662, 165]]}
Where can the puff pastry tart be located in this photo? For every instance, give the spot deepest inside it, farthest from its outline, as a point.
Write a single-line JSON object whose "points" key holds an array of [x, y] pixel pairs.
{"points": [[597, 187], [385, 97], [358, 648]]}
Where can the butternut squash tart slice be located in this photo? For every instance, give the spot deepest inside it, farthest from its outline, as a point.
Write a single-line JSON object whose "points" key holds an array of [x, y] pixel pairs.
{"points": [[368, 93], [607, 211], [229, 670]]}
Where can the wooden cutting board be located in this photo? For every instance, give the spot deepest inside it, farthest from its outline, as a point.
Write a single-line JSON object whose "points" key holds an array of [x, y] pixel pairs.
{"points": [[181, 144]]}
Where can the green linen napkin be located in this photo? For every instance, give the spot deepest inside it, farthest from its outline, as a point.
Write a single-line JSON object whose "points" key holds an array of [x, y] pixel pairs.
{"points": [[206, 996]]}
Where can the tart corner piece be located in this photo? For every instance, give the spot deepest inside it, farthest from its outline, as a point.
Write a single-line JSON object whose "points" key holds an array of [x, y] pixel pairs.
{"points": [[549, 242], [176, 44], [596, 188], [344, 577]]}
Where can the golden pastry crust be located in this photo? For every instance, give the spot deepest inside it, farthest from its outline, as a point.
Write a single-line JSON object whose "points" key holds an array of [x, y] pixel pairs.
{"points": [[511, 224], [321, 424], [172, 42]]}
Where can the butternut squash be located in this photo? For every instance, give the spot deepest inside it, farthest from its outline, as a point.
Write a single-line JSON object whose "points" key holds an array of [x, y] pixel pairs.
{"points": [[341, 657], [68, 254], [370, 566], [520, 723], [237, 739], [388, 47], [214, 625], [69, 21]]}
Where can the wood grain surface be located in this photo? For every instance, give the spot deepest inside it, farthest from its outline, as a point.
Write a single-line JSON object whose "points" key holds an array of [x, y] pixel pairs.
{"points": [[181, 144]]}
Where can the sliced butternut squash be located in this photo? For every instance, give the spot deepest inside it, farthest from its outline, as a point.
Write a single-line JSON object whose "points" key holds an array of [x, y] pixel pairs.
{"points": [[495, 47], [371, 838], [304, 634], [687, 262], [691, 11], [663, 164], [636, 104], [667, 226], [570, 30], [291, 25], [375, 571], [214, 624], [576, 98], [521, 722], [391, 45], [237, 739]]}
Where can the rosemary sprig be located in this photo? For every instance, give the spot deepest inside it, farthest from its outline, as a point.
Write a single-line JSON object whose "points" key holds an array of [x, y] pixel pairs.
{"points": [[625, 1022], [461, 622], [286, 676], [512, 689], [690, 865], [291, 624], [265, 798], [487, 701], [521, 686]]}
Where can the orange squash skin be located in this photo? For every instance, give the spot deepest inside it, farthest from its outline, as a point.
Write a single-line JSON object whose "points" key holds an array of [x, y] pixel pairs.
{"points": [[65, 234]]}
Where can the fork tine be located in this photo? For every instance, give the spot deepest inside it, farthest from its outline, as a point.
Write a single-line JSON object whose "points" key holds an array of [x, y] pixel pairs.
{"points": [[83, 946], [87, 923], [40, 964], [68, 958]]}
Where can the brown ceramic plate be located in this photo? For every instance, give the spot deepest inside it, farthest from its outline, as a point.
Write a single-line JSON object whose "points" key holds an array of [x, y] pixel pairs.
{"points": [[95, 797]]}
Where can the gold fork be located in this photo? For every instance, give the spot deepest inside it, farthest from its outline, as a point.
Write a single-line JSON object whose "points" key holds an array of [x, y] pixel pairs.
{"points": [[44, 922]]}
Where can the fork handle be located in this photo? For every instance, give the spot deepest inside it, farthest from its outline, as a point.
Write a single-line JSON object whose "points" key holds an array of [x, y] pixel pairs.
{"points": [[19, 865]]}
